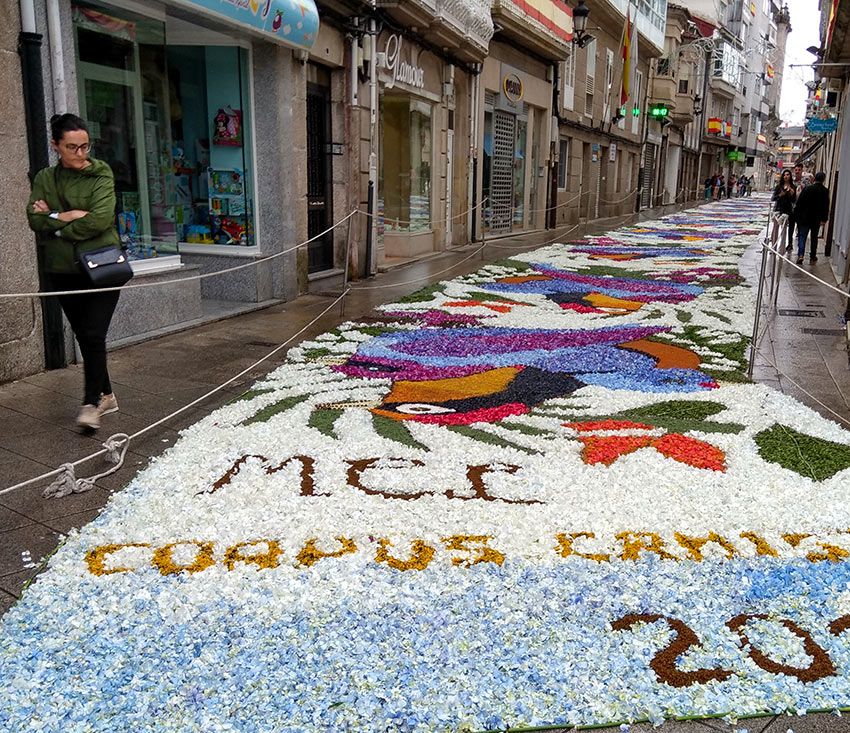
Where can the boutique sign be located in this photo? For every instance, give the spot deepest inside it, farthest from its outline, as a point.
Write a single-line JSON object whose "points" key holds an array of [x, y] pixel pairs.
{"points": [[400, 71], [293, 23], [821, 126]]}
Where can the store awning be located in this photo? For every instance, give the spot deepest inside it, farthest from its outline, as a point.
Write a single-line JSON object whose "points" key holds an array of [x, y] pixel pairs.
{"points": [[811, 150], [293, 23]]}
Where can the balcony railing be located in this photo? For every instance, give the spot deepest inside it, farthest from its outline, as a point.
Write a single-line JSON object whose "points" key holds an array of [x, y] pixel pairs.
{"points": [[466, 26]]}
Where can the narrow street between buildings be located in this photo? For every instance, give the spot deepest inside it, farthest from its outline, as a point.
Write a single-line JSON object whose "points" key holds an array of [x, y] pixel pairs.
{"points": [[544, 492]]}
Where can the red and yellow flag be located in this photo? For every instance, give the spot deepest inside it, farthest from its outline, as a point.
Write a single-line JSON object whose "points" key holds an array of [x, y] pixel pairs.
{"points": [[627, 55]]}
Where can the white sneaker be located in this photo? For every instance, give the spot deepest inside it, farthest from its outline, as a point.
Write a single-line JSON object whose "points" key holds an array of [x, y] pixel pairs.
{"points": [[108, 404], [89, 417]]}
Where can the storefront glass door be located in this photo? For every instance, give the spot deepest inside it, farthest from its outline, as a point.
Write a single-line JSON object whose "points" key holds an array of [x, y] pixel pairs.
{"points": [[519, 172]]}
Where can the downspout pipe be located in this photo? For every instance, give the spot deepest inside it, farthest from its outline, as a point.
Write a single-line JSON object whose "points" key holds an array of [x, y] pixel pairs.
{"points": [[552, 214], [29, 48], [57, 58], [475, 213]]}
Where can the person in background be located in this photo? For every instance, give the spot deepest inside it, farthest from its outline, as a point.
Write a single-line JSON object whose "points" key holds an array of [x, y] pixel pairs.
{"points": [[811, 211], [72, 207], [709, 184], [784, 197], [731, 188]]}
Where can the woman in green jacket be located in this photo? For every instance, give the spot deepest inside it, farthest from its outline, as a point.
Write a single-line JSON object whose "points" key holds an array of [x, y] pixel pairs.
{"points": [[72, 208]]}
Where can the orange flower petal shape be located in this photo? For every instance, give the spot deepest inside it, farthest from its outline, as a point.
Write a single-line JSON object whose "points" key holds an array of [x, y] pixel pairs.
{"points": [[519, 279], [608, 449], [616, 257], [693, 452], [601, 300], [667, 356]]}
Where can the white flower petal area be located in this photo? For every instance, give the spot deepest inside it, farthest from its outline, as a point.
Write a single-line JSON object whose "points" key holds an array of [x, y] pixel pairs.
{"points": [[540, 494]]}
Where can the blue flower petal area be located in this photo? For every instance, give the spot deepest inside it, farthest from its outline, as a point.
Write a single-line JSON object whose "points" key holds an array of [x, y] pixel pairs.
{"points": [[435, 650]]}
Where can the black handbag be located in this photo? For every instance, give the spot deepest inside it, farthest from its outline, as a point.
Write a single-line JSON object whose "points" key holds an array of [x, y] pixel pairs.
{"points": [[106, 267]]}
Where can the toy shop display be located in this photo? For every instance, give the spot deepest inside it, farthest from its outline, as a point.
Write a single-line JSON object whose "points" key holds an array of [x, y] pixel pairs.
{"points": [[229, 221], [227, 127]]}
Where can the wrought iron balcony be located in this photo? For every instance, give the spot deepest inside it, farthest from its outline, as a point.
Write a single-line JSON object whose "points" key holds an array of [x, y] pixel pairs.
{"points": [[464, 26]]}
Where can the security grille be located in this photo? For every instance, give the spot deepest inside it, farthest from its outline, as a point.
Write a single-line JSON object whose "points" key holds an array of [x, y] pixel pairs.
{"points": [[648, 176], [502, 181]]}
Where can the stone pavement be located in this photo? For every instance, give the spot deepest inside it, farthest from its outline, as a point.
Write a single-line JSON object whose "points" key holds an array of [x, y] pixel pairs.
{"points": [[154, 378]]}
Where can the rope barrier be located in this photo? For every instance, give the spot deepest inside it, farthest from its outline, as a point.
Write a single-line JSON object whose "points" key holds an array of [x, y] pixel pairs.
{"points": [[536, 244], [383, 217], [202, 276], [115, 447], [619, 201], [559, 206], [418, 279], [782, 256]]}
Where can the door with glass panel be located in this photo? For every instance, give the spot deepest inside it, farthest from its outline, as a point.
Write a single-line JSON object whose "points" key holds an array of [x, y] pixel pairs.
{"points": [[319, 198]]}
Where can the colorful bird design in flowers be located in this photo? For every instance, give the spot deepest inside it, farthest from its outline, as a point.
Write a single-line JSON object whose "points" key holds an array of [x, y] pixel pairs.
{"points": [[593, 293], [461, 376]]}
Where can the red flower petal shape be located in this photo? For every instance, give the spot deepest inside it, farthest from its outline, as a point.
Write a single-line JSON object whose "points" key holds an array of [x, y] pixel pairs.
{"points": [[693, 452]]}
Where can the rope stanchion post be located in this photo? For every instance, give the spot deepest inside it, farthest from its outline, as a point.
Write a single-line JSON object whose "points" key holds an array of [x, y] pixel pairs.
{"points": [[346, 265], [759, 295], [483, 239], [779, 261]]}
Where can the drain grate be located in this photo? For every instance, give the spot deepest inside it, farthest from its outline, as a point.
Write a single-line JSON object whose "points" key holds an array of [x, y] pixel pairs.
{"points": [[824, 331], [801, 313]]}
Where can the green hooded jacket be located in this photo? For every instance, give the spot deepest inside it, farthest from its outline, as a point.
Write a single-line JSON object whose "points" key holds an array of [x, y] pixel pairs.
{"points": [[91, 189]]}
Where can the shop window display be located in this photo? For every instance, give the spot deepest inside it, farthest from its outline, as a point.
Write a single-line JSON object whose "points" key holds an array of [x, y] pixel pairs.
{"points": [[172, 123], [211, 146], [404, 203]]}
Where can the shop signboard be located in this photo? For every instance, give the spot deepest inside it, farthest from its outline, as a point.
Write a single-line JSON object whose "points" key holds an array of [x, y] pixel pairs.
{"points": [[398, 70], [821, 126], [293, 23], [512, 86]]}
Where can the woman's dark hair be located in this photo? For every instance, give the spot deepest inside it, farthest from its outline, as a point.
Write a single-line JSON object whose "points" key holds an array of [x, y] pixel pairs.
{"points": [[782, 177], [60, 124]]}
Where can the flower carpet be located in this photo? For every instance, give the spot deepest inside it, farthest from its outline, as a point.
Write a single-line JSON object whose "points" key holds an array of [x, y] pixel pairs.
{"points": [[541, 494]]}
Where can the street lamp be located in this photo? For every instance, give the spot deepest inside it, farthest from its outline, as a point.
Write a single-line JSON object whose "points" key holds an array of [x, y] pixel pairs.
{"points": [[580, 37]]}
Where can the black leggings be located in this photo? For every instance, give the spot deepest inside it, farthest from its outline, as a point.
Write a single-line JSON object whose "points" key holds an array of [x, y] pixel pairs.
{"points": [[89, 316]]}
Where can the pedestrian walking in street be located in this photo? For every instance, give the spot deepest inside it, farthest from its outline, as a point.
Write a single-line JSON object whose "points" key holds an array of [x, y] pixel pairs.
{"points": [[784, 197], [721, 186], [709, 185], [72, 208], [811, 210], [731, 188]]}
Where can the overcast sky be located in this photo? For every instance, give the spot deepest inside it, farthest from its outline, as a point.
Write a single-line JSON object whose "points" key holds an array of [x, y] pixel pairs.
{"points": [[805, 24]]}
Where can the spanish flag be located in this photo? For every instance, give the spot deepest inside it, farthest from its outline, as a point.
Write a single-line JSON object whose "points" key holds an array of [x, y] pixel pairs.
{"points": [[771, 72], [628, 52]]}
